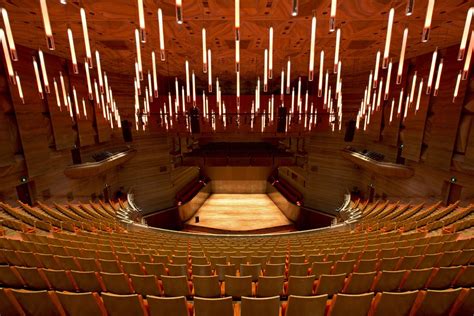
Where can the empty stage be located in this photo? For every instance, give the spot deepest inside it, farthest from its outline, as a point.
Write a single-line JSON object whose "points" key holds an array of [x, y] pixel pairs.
{"points": [[234, 213]]}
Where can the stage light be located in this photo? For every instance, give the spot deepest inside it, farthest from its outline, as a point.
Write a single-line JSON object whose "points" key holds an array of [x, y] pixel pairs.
{"points": [[162, 36], [8, 31], [376, 70], [465, 33], [387, 83], [294, 7], [155, 78], [288, 70], [438, 77], [336, 51], [265, 71], [11, 74], [47, 25], [99, 71], [56, 91], [141, 19], [409, 8], [204, 51], [429, 16], [85, 31], [321, 72], [139, 53], [418, 99], [88, 79], [432, 70], [467, 62], [20, 90], [270, 51], [63, 88], [388, 38], [332, 19], [179, 11], [209, 70], [188, 84], [43, 71], [402, 56], [456, 88], [311, 49]]}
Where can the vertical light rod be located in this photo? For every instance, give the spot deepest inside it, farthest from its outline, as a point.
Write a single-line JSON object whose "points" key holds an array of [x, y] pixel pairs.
{"points": [[270, 53], [388, 38], [141, 19], [312, 48], [332, 18], [321, 73], [47, 25], [8, 30], [429, 16], [179, 11], [75, 68], [336, 51], [402, 56], [432, 70], [204, 51], [465, 33], [85, 31], [162, 36]]}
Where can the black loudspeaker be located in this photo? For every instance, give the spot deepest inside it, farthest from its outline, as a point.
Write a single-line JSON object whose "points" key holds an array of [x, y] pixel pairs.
{"points": [[281, 126], [350, 131], [127, 131], [195, 127]]}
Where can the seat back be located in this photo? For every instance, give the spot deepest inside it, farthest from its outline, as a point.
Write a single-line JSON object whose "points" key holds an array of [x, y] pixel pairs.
{"points": [[88, 281], [237, 287], [298, 269], [437, 303], [306, 305], [388, 281], [213, 306], [254, 270], [175, 306], [269, 306], [392, 303], [350, 304], [359, 283], [318, 268], [201, 269], [145, 285], [270, 286], [223, 270], [206, 286], [117, 305], [78, 304], [177, 269], [175, 285], [117, 283], [330, 283], [60, 280], [300, 285], [37, 302], [416, 279], [277, 269], [156, 269]]}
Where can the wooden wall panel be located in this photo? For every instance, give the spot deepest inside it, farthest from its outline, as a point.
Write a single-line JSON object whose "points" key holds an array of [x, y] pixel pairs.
{"points": [[6, 136], [446, 114]]}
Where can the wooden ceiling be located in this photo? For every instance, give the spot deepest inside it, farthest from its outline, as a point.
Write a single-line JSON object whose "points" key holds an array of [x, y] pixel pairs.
{"points": [[362, 22]]}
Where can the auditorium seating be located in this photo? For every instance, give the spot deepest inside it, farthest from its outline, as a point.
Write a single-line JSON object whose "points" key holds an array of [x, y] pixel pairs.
{"points": [[110, 268]]}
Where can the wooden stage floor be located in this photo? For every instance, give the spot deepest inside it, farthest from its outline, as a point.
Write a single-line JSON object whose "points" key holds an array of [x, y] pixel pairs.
{"points": [[235, 213]]}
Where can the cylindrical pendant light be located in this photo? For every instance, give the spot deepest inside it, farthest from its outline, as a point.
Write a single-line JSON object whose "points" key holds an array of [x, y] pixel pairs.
{"points": [[387, 83], [270, 53], [321, 72], [6, 53], [294, 7], [155, 77], [428, 18], [265, 71], [456, 88], [402, 56], [438, 77], [209, 70], [188, 83], [237, 56], [47, 25], [162, 36], [332, 18], [336, 51], [237, 20], [8, 31], [75, 68], [194, 88], [204, 51], [376, 70], [63, 88], [99, 71], [432, 70], [413, 86], [418, 99], [410, 7], [388, 38], [20, 89], [139, 53], [467, 62], [85, 31], [465, 33], [88, 79], [288, 70], [312, 48], [43, 71], [141, 20], [56, 91], [282, 86], [179, 11]]}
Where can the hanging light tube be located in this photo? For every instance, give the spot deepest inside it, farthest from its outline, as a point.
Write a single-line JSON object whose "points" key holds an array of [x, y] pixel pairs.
{"points": [[97, 98], [63, 88], [6, 53], [432, 70], [155, 78], [326, 83], [74, 94], [336, 51], [467, 62], [402, 56], [237, 20], [282, 86], [73, 51], [204, 51], [70, 106], [141, 19], [376, 70], [429, 16], [238, 89], [413, 86], [47, 25], [56, 91], [391, 110], [194, 88], [332, 19], [465, 33], [188, 83], [137, 78], [8, 31], [85, 31], [338, 78], [99, 71], [456, 88], [84, 108], [312, 48], [294, 7], [409, 8], [88, 78], [162, 36], [209, 70], [321, 72], [418, 99], [298, 98], [288, 70], [106, 89], [387, 83], [43, 71], [438, 77], [265, 71], [176, 94], [139, 53], [150, 85], [179, 11], [400, 103], [270, 53], [388, 38], [20, 90], [237, 56]]}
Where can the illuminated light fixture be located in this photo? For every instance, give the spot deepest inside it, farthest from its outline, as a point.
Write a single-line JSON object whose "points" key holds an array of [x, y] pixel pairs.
{"points": [[8, 31], [238, 89], [438, 77], [73, 51], [429, 16], [321, 72], [407, 104], [400, 102], [179, 11], [204, 51], [150, 88], [237, 56], [183, 103], [413, 86], [85, 31], [432, 70], [391, 110], [74, 94], [155, 78], [376, 70], [402, 56], [63, 88], [294, 7], [43, 71], [162, 36], [332, 19], [456, 88], [84, 108], [338, 79], [106, 90], [270, 51], [137, 78], [467, 62], [209, 70], [282, 86], [176, 94], [292, 100], [418, 99], [369, 86], [96, 90], [237, 20], [298, 98], [336, 51], [70, 107], [63, 1], [139, 53], [188, 87], [388, 38], [20, 90], [99, 71], [56, 91], [88, 78], [141, 20], [194, 88], [465, 33], [387, 83], [409, 8], [265, 71], [47, 25], [11, 74], [326, 83], [311, 49], [288, 70]]}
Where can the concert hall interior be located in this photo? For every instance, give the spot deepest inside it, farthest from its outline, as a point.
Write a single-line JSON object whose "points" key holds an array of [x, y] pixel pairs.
{"points": [[236, 157]]}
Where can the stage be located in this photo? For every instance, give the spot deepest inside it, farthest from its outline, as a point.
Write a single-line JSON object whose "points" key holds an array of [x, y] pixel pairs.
{"points": [[239, 213]]}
